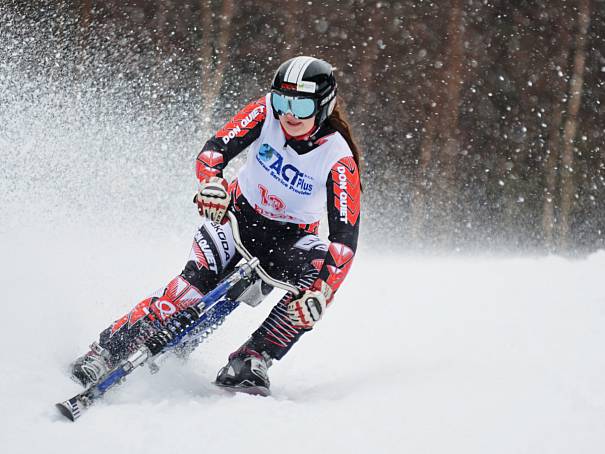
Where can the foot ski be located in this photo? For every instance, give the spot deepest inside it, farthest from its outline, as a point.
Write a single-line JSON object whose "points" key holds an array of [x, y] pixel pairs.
{"points": [[191, 325]]}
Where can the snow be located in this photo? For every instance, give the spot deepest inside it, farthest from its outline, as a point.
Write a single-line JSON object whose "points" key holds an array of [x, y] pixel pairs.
{"points": [[423, 355]]}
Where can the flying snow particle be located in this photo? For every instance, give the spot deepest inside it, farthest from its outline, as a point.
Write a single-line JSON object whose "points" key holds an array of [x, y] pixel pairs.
{"points": [[321, 25]]}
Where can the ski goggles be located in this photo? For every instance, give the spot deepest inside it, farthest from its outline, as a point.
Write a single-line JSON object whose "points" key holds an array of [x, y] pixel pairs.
{"points": [[301, 108]]}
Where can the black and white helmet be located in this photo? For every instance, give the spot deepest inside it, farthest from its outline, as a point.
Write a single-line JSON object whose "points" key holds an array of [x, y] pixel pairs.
{"points": [[307, 77]]}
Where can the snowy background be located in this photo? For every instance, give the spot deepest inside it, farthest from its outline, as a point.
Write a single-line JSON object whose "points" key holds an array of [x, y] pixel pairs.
{"points": [[423, 355], [439, 353]]}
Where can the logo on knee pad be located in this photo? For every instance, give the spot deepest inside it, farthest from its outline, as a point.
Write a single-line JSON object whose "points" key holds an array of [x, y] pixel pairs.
{"points": [[163, 308]]}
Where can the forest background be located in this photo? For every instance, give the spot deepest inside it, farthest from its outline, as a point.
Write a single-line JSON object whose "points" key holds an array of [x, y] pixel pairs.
{"points": [[481, 121]]}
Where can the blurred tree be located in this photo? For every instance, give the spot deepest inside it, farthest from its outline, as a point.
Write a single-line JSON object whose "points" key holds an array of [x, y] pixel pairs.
{"points": [[449, 109], [559, 68], [441, 134], [481, 121], [571, 123], [216, 36]]}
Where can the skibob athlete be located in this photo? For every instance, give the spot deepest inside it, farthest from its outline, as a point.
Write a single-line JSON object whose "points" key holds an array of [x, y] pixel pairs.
{"points": [[301, 154]]}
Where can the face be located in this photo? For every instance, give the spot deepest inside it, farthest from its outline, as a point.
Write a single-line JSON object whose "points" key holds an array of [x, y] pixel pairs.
{"points": [[296, 127]]}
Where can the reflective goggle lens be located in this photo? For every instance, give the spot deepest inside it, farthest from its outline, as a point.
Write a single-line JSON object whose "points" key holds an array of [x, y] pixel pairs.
{"points": [[299, 107]]}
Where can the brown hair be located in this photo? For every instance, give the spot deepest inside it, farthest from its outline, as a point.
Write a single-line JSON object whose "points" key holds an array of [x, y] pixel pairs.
{"points": [[338, 120]]}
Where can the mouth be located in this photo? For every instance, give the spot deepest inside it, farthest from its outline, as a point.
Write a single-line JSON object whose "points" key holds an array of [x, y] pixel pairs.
{"points": [[293, 122]]}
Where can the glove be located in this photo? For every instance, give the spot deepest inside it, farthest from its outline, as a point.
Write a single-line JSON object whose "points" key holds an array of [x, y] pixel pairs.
{"points": [[213, 198], [307, 309]]}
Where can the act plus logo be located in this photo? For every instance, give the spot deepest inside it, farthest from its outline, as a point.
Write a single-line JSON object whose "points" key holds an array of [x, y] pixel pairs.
{"points": [[287, 174]]}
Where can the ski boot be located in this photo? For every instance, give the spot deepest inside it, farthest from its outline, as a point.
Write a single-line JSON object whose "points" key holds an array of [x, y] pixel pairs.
{"points": [[246, 372], [89, 368]]}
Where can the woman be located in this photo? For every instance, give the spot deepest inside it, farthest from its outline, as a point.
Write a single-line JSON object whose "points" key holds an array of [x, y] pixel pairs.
{"points": [[301, 154]]}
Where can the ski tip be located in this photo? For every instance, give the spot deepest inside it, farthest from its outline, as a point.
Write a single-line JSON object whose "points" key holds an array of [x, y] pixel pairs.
{"points": [[69, 409]]}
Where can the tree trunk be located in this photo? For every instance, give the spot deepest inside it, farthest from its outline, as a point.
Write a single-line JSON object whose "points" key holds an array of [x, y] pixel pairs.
{"points": [[214, 51], [551, 165], [85, 21], [369, 54], [206, 49], [85, 13], [423, 179], [571, 124], [83, 33], [291, 43], [449, 136]]}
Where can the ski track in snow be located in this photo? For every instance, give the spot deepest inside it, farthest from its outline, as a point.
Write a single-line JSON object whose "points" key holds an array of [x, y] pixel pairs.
{"points": [[452, 355]]}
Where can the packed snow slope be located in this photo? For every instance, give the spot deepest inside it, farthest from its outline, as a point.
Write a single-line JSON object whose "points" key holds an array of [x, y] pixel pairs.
{"points": [[420, 355]]}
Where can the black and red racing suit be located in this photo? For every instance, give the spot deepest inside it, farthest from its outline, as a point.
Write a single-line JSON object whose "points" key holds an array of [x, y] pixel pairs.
{"points": [[261, 234], [287, 251]]}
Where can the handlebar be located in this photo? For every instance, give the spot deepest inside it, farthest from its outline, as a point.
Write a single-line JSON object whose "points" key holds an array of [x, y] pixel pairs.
{"points": [[248, 257]]}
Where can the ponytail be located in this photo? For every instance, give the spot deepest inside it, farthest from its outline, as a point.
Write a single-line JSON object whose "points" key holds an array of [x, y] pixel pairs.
{"points": [[338, 121]]}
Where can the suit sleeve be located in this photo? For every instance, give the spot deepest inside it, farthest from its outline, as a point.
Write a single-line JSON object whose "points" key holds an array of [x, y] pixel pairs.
{"points": [[344, 193], [243, 129]]}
